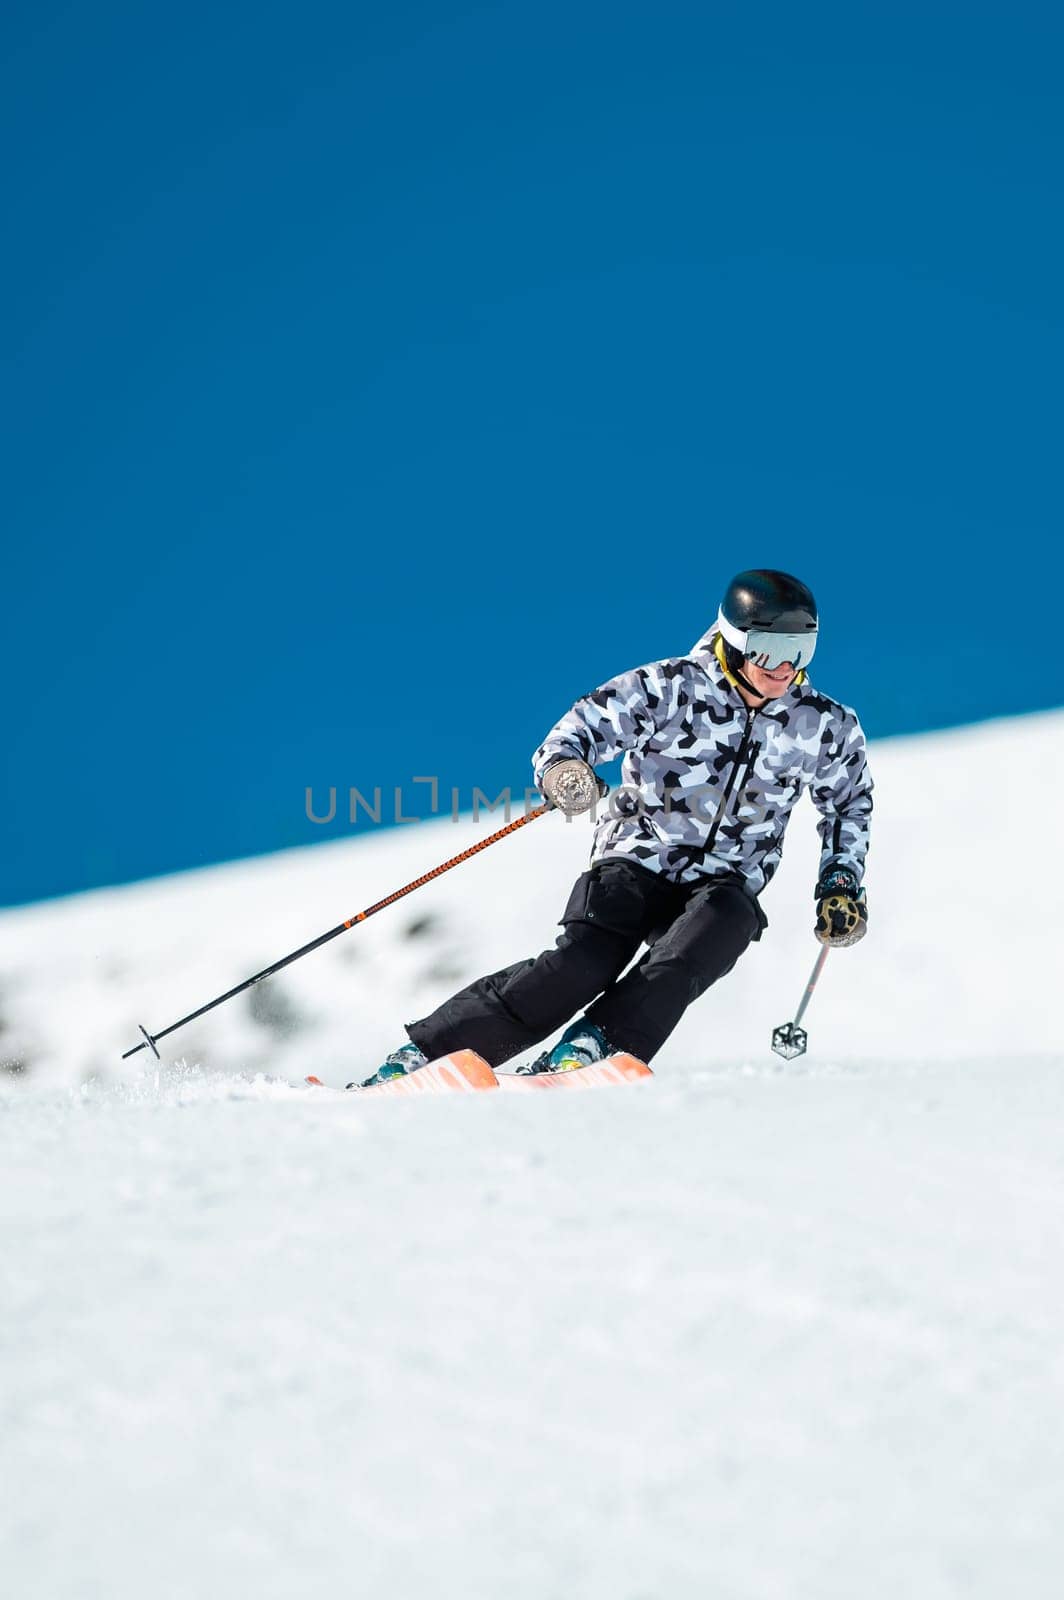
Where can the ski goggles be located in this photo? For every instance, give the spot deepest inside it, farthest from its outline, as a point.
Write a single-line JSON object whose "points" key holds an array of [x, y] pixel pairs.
{"points": [[769, 650]]}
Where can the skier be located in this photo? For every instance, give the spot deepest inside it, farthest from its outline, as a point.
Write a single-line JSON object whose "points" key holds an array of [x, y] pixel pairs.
{"points": [[718, 745]]}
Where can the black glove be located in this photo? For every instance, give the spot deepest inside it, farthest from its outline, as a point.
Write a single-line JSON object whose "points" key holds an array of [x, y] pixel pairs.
{"points": [[571, 786], [841, 913]]}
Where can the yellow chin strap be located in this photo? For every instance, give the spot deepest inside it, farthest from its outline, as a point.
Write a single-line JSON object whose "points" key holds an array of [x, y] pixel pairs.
{"points": [[718, 651]]}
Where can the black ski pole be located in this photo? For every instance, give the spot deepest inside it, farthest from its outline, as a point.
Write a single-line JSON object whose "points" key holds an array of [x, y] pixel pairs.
{"points": [[151, 1039], [789, 1040]]}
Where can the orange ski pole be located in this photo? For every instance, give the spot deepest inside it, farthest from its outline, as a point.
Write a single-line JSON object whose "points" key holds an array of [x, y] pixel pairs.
{"points": [[150, 1039]]}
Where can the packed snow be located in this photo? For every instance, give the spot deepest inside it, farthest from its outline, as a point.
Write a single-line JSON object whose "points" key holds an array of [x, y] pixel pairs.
{"points": [[752, 1331]]}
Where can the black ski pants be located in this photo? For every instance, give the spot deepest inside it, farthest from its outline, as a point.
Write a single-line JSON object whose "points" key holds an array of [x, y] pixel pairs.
{"points": [[695, 933]]}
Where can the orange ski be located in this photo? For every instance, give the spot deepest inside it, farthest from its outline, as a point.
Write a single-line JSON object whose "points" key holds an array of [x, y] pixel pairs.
{"points": [[600, 1075], [463, 1072]]}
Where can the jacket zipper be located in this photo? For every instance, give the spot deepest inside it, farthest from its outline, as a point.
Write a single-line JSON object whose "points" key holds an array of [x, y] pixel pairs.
{"points": [[751, 713]]}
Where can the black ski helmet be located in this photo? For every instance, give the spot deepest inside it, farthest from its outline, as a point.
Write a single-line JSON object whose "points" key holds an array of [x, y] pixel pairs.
{"points": [[767, 617]]}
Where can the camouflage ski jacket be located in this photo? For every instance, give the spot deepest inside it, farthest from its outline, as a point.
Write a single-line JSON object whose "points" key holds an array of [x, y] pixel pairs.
{"points": [[708, 785]]}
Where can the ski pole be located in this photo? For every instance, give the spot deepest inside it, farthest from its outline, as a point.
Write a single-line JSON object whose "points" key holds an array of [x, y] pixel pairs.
{"points": [[789, 1040], [150, 1039]]}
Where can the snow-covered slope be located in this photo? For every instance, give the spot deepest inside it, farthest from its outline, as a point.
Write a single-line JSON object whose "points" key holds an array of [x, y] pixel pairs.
{"points": [[746, 1332], [961, 959]]}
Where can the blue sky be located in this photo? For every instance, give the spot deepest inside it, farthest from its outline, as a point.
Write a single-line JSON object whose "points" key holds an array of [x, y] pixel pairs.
{"points": [[377, 380]]}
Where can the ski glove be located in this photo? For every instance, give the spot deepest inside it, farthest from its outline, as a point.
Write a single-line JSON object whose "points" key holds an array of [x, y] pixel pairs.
{"points": [[841, 913], [572, 787]]}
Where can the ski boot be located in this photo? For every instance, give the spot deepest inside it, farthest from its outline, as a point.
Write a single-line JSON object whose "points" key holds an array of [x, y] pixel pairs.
{"points": [[580, 1045], [406, 1059]]}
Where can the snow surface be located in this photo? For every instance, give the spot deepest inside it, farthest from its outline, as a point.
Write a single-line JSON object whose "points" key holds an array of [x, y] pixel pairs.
{"points": [[745, 1331]]}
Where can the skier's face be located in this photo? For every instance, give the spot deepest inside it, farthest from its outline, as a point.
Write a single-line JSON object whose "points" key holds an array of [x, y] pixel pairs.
{"points": [[770, 685]]}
